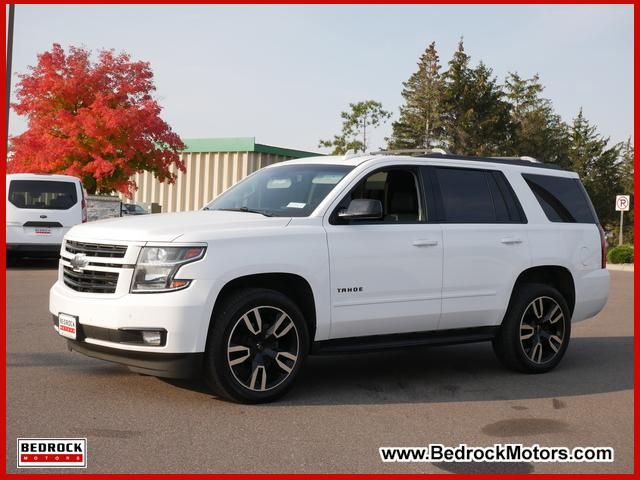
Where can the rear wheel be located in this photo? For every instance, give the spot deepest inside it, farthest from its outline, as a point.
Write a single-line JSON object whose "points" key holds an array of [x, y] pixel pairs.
{"points": [[535, 332], [256, 346]]}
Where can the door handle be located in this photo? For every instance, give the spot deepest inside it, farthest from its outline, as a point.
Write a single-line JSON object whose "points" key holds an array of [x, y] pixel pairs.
{"points": [[510, 241], [424, 242]]}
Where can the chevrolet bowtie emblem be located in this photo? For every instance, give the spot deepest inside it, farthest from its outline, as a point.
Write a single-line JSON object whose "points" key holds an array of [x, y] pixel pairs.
{"points": [[79, 261]]}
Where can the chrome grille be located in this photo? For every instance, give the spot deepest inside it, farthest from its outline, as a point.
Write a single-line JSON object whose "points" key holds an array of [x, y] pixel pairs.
{"points": [[92, 281], [96, 249]]}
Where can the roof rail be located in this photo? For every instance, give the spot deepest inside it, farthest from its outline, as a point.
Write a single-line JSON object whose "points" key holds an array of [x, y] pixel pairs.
{"points": [[412, 151], [438, 153], [506, 161], [441, 151], [524, 158]]}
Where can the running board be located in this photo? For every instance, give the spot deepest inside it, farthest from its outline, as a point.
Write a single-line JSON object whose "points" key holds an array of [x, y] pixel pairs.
{"points": [[402, 340]]}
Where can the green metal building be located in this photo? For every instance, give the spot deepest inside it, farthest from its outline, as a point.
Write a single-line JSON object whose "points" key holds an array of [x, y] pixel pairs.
{"points": [[213, 165]]}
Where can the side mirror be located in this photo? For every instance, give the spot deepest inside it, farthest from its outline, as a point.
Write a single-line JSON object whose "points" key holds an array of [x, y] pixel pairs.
{"points": [[362, 209]]}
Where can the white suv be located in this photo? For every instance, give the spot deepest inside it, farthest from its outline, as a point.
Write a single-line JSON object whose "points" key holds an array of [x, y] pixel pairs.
{"points": [[336, 254]]}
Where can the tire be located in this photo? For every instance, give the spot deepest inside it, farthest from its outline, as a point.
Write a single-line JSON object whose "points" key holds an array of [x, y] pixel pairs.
{"points": [[257, 343], [535, 332], [12, 259]]}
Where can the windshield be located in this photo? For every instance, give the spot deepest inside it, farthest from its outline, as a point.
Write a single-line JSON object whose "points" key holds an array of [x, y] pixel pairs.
{"points": [[134, 208], [283, 191]]}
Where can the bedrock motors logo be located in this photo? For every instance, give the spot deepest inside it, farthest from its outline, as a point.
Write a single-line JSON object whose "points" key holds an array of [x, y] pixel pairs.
{"points": [[52, 453]]}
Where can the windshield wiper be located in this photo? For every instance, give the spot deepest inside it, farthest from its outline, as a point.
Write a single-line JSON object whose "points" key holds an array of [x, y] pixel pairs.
{"points": [[248, 210]]}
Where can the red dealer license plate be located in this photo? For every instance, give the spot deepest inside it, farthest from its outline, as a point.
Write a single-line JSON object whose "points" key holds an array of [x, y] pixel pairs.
{"points": [[67, 325], [42, 231]]}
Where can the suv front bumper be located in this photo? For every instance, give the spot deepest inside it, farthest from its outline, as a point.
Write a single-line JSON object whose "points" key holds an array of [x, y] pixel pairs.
{"points": [[103, 322], [169, 365]]}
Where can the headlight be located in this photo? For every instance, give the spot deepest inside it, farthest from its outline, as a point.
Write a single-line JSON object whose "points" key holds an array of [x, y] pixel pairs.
{"points": [[157, 267]]}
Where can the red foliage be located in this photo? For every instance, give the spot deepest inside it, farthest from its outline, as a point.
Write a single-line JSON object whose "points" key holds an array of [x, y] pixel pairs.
{"points": [[93, 120]]}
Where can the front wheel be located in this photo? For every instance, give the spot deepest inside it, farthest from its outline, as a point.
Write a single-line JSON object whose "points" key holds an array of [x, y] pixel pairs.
{"points": [[257, 343], [534, 335]]}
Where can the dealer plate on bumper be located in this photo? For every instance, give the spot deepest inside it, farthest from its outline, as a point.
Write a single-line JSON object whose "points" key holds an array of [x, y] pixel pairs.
{"points": [[67, 325]]}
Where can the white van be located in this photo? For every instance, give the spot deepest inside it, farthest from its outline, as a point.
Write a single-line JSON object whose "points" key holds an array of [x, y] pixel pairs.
{"points": [[41, 208]]}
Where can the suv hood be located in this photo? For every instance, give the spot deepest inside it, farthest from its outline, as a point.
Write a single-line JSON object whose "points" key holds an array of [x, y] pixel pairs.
{"points": [[169, 227]]}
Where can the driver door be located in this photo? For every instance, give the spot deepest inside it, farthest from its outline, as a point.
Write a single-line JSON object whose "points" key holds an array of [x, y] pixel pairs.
{"points": [[386, 275]]}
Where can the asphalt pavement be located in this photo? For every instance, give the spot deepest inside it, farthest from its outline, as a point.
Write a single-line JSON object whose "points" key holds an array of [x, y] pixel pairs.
{"points": [[341, 411]]}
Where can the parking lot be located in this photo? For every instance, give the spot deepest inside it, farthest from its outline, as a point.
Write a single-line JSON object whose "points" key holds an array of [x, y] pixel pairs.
{"points": [[338, 415]]}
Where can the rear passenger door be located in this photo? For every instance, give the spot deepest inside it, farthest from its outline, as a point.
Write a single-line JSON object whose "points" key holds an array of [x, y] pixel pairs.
{"points": [[484, 240]]}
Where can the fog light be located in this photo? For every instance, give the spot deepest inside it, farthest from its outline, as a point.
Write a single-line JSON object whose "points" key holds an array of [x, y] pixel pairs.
{"points": [[152, 338]]}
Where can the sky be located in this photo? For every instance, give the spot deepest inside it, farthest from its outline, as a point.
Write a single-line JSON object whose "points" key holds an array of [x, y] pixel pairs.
{"points": [[283, 74]]}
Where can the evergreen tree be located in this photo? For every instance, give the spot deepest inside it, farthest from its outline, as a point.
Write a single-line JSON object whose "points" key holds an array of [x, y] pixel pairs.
{"points": [[420, 125], [476, 120], [465, 110], [537, 130], [355, 123], [598, 166], [627, 184], [456, 115], [626, 167]]}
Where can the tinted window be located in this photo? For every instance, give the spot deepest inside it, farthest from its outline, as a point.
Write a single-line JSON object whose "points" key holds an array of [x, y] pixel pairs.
{"points": [[43, 194], [562, 199], [396, 189], [516, 213], [466, 196], [499, 200]]}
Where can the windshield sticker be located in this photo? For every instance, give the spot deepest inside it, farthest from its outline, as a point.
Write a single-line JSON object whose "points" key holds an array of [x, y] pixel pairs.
{"points": [[296, 205]]}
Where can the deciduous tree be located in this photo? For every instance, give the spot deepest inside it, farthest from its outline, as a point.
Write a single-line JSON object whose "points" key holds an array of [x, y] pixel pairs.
{"points": [[96, 120]]}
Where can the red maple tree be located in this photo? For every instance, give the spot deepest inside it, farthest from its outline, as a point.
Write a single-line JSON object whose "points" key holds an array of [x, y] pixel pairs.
{"points": [[94, 120]]}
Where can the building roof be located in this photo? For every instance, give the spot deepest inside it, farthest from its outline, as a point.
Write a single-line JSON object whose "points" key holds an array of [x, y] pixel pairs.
{"points": [[240, 144]]}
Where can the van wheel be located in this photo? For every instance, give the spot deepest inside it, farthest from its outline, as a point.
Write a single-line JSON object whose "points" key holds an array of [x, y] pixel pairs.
{"points": [[534, 335], [257, 343], [11, 259]]}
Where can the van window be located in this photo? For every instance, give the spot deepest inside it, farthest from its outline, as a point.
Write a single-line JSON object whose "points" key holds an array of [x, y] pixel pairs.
{"points": [[562, 199], [43, 194]]}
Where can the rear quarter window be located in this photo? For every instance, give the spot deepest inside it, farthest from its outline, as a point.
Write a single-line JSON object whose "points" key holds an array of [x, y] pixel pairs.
{"points": [[43, 194], [562, 199]]}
